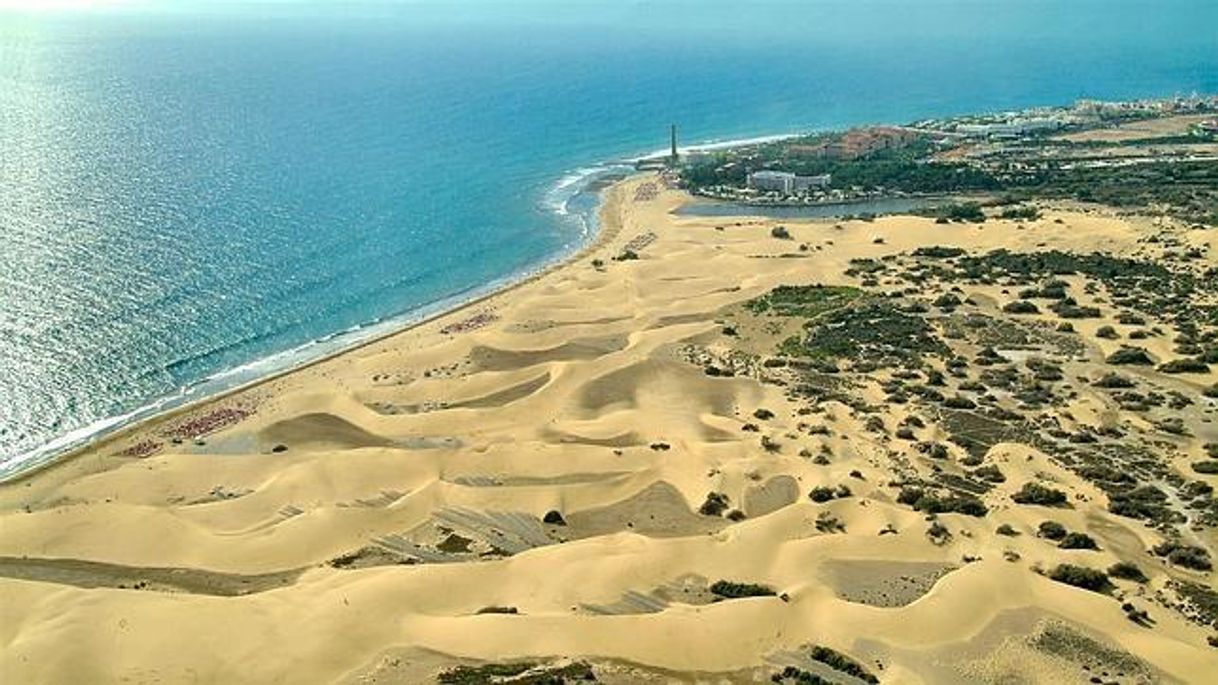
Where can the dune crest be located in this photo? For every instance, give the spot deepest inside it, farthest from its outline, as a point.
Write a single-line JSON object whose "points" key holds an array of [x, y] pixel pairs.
{"points": [[727, 456]]}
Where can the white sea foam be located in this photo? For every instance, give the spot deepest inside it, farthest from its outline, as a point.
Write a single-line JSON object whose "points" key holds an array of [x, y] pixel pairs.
{"points": [[557, 199], [724, 144]]}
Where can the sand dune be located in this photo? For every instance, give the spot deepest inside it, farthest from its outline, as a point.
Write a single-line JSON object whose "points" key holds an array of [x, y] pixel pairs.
{"points": [[561, 473]]}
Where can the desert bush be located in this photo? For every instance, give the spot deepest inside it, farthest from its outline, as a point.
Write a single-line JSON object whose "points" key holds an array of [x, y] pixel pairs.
{"points": [[1035, 493], [931, 503], [727, 589], [1051, 530], [1142, 502], [1188, 556], [1127, 571], [1077, 541], [1130, 356], [826, 522], [1184, 366], [1021, 307], [1081, 577], [938, 252], [1113, 381], [990, 473], [947, 301], [938, 533], [487, 673], [497, 610], [959, 402], [798, 676], [715, 504], [842, 663], [822, 494]]}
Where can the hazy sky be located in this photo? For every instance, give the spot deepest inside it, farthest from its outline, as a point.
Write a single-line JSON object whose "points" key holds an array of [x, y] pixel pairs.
{"points": [[1082, 24]]}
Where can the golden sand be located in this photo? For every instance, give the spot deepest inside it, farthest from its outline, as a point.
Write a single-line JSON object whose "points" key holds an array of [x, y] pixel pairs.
{"points": [[356, 523]]}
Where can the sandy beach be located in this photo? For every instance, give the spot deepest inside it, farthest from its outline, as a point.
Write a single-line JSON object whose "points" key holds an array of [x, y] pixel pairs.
{"points": [[557, 475]]}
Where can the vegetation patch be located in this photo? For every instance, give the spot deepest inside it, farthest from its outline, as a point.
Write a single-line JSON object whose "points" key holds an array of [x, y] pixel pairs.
{"points": [[522, 673], [1081, 577], [1035, 493], [931, 503], [1187, 556], [1127, 571], [1130, 356], [1184, 366], [1199, 602], [1078, 541], [1143, 502], [1051, 530], [873, 330], [726, 589], [842, 663], [792, 675], [807, 301]]}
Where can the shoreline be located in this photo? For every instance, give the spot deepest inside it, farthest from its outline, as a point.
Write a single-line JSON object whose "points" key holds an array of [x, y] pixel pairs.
{"points": [[164, 408], [593, 177], [406, 495], [593, 240]]}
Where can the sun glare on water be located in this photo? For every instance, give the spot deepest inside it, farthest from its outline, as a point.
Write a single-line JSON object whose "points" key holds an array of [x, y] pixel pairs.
{"points": [[59, 5]]}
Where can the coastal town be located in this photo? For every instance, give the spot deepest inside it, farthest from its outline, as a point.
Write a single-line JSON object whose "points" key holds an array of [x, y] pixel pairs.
{"points": [[1043, 150]]}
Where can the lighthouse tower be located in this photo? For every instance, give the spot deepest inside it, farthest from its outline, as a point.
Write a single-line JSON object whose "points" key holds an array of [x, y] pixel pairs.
{"points": [[673, 156]]}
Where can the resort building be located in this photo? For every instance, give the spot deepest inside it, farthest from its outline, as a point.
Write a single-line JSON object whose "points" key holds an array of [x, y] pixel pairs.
{"points": [[806, 183], [1016, 127], [786, 183], [773, 181]]}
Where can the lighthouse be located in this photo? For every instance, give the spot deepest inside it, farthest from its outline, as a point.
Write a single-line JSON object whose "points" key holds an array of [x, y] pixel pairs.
{"points": [[672, 157]]}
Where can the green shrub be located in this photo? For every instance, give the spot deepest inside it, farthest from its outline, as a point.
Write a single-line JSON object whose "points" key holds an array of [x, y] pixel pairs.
{"points": [[1021, 212], [716, 503], [842, 663], [488, 673], [1081, 577], [1188, 556], [798, 676], [726, 589], [938, 252], [963, 211], [1142, 502], [1021, 307], [1113, 381], [990, 473], [822, 494], [1127, 571], [1130, 356], [931, 503], [1078, 541], [1035, 493], [1051, 530], [1184, 366], [1208, 466]]}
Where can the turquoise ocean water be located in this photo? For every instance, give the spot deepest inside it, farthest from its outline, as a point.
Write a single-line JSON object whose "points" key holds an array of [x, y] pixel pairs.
{"points": [[191, 197]]}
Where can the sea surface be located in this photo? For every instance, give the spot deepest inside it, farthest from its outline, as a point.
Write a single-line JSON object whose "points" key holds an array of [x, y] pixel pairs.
{"points": [[191, 197]]}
